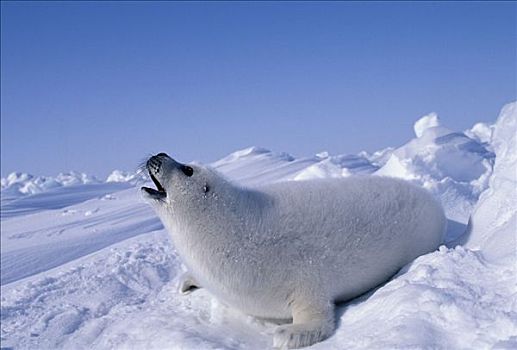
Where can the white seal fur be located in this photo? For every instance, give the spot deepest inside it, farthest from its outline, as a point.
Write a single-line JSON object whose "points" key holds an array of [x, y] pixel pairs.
{"points": [[292, 250]]}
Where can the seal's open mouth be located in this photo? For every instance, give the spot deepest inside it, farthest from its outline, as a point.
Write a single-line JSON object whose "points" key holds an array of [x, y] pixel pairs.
{"points": [[159, 192]]}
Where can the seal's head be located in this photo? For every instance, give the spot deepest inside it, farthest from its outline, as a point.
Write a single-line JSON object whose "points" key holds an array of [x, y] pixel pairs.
{"points": [[182, 188]]}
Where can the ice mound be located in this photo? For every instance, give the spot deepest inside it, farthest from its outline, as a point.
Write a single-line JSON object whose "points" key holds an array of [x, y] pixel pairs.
{"points": [[256, 165], [75, 178], [125, 176], [481, 132], [450, 164], [494, 221], [20, 184], [252, 151], [14, 178], [426, 122], [336, 166], [378, 158]]}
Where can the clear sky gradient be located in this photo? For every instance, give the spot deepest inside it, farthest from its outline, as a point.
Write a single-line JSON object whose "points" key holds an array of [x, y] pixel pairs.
{"points": [[97, 86]]}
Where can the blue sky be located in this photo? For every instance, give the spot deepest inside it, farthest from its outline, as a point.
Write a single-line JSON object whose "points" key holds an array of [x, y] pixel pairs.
{"points": [[97, 86]]}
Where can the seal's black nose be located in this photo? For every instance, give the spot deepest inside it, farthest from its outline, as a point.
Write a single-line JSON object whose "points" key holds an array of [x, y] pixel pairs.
{"points": [[162, 155], [154, 164]]}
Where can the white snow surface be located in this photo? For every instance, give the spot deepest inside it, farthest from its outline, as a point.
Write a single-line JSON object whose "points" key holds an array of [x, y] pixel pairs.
{"points": [[86, 264], [19, 184], [126, 176], [481, 132], [452, 165], [426, 122], [494, 221]]}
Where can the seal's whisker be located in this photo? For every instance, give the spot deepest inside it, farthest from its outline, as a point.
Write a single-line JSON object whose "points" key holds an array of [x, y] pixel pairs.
{"points": [[142, 164], [141, 170]]}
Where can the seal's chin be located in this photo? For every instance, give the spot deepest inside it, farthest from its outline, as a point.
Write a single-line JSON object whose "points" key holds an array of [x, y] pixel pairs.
{"points": [[159, 193]]}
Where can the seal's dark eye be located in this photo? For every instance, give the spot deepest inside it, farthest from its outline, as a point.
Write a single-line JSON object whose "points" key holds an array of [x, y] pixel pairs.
{"points": [[206, 188], [187, 170]]}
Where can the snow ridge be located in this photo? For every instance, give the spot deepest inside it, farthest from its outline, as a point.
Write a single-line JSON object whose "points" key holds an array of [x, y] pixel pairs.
{"points": [[452, 165], [19, 184]]}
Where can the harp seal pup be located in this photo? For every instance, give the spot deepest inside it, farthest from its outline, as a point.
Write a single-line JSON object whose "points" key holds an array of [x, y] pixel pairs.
{"points": [[291, 250]]}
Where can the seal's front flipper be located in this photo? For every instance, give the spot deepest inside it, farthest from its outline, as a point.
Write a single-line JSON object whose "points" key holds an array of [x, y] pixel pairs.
{"points": [[311, 324], [188, 284]]}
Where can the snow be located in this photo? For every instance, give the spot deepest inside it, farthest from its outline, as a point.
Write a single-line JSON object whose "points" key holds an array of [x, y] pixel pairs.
{"points": [[86, 264], [336, 166], [257, 165], [20, 184], [494, 221], [126, 176], [453, 166], [481, 132], [426, 122]]}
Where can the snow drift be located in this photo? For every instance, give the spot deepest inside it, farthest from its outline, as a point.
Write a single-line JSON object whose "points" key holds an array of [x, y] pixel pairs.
{"points": [[20, 184], [494, 221], [450, 164]]}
